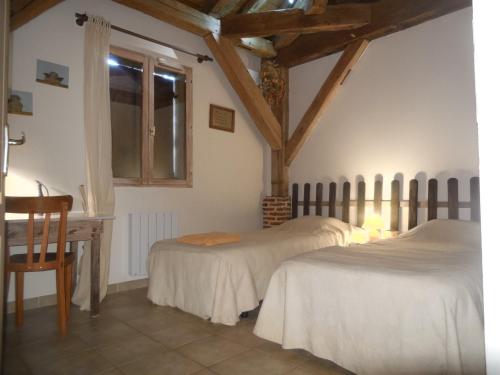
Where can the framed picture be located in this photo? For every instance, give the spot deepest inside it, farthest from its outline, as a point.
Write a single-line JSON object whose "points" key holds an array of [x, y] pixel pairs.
{"points": [[221, 118], [20, 103], [52, 74]]}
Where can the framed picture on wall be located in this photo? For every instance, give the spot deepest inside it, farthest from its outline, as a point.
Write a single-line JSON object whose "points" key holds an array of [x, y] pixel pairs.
{"points": [[221, 118], [52, 74]]}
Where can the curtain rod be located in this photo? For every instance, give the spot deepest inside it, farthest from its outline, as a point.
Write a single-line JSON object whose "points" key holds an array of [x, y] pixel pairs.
{"points": [[81, 18]]}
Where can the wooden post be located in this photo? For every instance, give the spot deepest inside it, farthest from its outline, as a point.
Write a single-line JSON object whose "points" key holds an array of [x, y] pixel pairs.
{"points": [[453, 199], [413, 204], [274, 86], [319, 199], [295, 200], [395, 204], [332, 199], [360, 209], [307, 198], [346, 201], [432, 199]]}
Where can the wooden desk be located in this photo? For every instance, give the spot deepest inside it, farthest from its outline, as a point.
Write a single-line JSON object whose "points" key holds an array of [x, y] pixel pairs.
{"points": [[80, 228]]}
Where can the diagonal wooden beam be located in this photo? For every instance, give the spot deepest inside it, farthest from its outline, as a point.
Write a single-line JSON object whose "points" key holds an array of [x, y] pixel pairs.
{"points": [[388, 16], [326, 93], [30, 11], [177, 14], [194, 21], [287, 21], [246, 88]]}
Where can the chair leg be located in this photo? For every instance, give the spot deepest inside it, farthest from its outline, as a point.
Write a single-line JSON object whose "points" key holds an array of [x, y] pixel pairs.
{"points": [[6, 284], [19, 299], [61, 301], [68, 281]]}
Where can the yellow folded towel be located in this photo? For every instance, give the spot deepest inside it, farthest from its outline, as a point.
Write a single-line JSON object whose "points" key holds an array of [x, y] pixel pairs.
{"points": [[209, 239]]}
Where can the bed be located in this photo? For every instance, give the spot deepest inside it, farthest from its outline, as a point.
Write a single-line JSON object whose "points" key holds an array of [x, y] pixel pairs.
{"points": [[221, 282], [409, 305]]}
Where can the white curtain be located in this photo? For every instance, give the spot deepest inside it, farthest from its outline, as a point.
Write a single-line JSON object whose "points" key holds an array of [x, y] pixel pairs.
{"points": [[97, 122]]}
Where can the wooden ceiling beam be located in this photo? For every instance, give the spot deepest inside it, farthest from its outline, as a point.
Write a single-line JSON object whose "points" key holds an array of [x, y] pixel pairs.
{"points": [[287, 21], [258, 46], [388, 16], [309, 7], [255, 6], [30, 11], [325, 95], [177, 14], [246, 88], [194, 21], [224, 7], [312, 6]]}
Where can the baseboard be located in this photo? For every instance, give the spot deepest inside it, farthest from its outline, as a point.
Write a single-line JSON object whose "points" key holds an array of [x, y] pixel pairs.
{"points": [[51, 299]]}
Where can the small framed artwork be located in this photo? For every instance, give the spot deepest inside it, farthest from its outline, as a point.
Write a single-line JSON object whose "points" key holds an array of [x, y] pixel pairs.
{"points": [[52, 74], [20, 103], [221, 118]]}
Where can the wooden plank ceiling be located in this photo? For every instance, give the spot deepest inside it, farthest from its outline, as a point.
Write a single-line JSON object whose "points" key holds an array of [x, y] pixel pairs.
{"points": [[297, 31], [291, 31]]}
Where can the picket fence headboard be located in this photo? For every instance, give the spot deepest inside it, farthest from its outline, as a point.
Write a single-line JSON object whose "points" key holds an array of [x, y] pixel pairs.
{"points": [[431, 204]]}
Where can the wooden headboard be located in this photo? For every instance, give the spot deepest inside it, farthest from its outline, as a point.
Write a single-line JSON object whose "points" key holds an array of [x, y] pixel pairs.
{"points": [[431, 204]]}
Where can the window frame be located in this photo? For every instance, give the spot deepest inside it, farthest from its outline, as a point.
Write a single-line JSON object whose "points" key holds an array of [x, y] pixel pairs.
{"points": [[149, 62]]}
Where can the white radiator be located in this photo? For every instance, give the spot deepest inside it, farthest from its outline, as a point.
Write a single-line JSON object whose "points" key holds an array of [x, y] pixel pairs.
{"points": [[144, 230]]}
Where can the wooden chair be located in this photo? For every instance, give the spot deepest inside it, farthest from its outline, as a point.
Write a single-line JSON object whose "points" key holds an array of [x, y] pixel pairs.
{"points": [[31, 261]]}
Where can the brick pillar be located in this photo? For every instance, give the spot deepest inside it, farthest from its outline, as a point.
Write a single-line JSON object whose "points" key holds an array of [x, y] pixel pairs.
{"points": [[276, 210]]}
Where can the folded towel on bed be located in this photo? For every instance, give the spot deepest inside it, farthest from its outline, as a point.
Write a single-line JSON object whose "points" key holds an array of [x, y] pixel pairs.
{"points": [[209, 239]]}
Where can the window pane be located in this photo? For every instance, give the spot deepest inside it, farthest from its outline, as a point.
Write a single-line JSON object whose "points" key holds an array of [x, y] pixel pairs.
{"points": [[170, 122], [125, 81]]}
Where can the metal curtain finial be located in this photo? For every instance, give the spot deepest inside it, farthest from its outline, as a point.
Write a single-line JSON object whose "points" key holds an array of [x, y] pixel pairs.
{"points": [[81, 18]]}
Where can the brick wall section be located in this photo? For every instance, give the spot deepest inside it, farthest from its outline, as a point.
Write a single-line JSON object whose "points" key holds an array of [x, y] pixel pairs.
{"points": [[276, 210]]}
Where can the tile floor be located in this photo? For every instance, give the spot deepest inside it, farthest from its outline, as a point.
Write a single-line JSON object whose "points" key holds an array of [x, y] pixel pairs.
{"points": [[132, 336]]}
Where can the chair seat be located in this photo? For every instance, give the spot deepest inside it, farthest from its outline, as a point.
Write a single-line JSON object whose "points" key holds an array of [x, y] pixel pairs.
{"points": [[49, 258]]}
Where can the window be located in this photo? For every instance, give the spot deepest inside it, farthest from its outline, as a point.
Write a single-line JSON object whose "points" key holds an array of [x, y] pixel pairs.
{"points": [[150, 120]]}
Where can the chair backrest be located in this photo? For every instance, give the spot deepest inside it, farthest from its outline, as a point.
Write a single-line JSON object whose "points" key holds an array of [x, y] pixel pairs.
{"points": [[45, 206]]}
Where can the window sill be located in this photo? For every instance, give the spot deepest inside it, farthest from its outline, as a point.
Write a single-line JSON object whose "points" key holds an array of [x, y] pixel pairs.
{"points": [[119, 182]]}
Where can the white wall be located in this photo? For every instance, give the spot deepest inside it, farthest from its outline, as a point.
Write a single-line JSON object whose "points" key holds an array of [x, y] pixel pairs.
{"points": [[408, 108], [228, 169]]}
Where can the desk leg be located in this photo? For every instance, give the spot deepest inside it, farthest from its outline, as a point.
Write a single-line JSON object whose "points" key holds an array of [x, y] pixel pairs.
{"points": [[73, 247], [95, 271]]}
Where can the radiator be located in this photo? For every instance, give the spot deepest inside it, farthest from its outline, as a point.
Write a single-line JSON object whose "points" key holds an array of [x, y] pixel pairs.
{"points": [[144, 230]]}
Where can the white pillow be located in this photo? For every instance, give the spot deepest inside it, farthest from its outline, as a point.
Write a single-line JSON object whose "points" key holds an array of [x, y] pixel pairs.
{"points": [[463, 234], [314, 224]]}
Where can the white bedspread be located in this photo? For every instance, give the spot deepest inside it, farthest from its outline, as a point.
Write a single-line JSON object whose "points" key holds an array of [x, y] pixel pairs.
{"points": [[221, 282], [411, 305]]}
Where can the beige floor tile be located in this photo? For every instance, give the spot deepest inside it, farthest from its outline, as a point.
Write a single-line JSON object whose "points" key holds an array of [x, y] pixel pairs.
{"points": [[14, 365], [84, 363], [165, 363], [130, 312], [205, 371], [122, 352], [50, 350], [242, 334], [296, 357], [253, 362], [113, 371], [318, 366], [181, 333], [150, 324], [212, 350], [103, 333]]}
